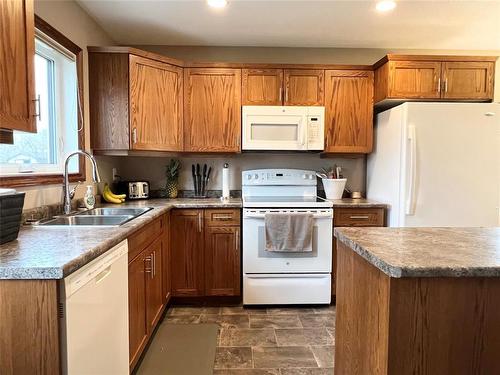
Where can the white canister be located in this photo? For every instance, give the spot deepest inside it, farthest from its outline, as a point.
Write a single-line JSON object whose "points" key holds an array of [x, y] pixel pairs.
{"points": [[334, 187]]}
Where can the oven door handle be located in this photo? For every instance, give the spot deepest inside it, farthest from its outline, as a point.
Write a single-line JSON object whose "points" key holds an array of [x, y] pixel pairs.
{"points": [[322, 215]]}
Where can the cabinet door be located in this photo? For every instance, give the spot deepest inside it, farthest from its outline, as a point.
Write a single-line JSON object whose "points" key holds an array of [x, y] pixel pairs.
{"points": [[415, 79], [138, 330], [222, 261], [17, 54], [212, 110], [186, 249], [304, 86], [468, 80], [166, 271], [349, 111], [154, 292], [155, 105], [262, 87]]}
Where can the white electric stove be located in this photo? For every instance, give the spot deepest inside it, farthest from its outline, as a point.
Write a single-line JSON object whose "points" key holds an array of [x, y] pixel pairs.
{"points": [[281, 278]]}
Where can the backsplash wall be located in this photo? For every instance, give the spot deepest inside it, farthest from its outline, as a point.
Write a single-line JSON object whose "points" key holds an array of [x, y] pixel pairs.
{"points": [[152, 169]]}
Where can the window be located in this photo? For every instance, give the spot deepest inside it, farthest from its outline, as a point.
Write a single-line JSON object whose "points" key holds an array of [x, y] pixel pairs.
{"points": [[59, 121]]}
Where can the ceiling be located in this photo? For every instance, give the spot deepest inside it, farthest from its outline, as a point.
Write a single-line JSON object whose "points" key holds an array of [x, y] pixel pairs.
{"points": [[441, 24]]}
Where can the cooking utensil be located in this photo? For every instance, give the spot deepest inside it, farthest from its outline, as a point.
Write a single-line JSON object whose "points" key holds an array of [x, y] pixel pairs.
{"points": [[321, 175], [198, 178], [204, 180], [194, 177]]}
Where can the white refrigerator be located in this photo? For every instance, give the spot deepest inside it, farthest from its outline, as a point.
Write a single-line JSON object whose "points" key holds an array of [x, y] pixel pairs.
{"points": [[437, 164]]}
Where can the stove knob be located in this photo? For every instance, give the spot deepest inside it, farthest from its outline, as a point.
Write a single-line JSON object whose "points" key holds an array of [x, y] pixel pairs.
{"points": [[304, 176], [249, 176], [311, 176], [256, 176]]}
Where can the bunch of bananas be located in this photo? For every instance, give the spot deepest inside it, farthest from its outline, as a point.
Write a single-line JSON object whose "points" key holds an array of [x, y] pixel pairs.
{"points": [[110, 197]]}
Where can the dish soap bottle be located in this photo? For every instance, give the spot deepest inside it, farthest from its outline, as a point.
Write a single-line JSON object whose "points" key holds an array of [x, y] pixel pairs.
{"points": [[89, 198]]}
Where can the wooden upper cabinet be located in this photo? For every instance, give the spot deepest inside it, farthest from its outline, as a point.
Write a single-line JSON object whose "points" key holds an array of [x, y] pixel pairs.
{"points": [[212, 110], [186, 252], [415, 79], [17, 54], [262, 87], [428, 77], [304, 87], [468, 80], [349, 111], [135, 102], [155, 105]]}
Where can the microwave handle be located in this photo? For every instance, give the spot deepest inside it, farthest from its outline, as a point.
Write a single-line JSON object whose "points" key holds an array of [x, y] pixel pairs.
{"points": [[303, 135]]}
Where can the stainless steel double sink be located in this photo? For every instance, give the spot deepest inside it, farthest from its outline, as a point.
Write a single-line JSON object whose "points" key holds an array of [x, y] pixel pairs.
{"points": [[106, 216]]}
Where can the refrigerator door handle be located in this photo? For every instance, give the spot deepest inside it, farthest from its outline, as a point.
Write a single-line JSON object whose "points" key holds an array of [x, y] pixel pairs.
{"points": [[410, 199]]}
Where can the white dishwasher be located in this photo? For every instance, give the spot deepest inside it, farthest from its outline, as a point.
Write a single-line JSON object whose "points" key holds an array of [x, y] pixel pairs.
{"points": [[94, 316]]}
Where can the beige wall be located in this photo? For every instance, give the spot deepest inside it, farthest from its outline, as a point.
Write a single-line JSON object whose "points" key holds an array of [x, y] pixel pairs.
{"points": [[304, 55], [153, 169], [68, 18]]}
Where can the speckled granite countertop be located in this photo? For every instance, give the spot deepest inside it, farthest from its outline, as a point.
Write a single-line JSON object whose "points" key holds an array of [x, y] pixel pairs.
{"points": [[427, 252], [53, 253], [357, 203]]}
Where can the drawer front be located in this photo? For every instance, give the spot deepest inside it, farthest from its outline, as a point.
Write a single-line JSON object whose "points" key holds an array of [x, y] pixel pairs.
{"points": [[143, 237], [359, 217], [221, 217]]}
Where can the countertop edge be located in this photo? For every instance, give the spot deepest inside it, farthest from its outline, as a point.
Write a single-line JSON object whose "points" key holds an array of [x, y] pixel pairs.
{"points": [[423, 272], [57, 273]]}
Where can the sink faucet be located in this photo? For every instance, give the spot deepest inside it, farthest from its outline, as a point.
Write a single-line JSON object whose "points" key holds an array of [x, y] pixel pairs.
{"points": [[69, 195]]}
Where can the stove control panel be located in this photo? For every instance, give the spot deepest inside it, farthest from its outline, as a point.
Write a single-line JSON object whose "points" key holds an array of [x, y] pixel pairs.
{"points": [[286, 177]]}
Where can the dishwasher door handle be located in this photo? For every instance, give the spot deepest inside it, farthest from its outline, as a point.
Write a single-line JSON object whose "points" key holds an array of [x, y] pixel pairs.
{"points": [[103, 275]]}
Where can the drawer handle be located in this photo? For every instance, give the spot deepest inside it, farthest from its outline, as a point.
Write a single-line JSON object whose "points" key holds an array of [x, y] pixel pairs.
{"points": [[222, 217], [359, 217]]}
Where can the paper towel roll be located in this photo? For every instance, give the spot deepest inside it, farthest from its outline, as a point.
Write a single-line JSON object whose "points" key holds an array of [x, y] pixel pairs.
{"points": [[225, 181]]}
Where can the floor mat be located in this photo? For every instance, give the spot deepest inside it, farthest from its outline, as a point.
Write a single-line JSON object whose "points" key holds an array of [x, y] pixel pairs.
{"points": [[181, 350]]}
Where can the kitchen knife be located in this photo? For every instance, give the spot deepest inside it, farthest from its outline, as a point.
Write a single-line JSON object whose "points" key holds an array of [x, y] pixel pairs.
{"points": [[198, 178], [194, 178], [203, 181]]}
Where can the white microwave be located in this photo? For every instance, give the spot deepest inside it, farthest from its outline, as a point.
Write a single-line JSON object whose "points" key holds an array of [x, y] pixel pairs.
{"points": [[283, 128]]}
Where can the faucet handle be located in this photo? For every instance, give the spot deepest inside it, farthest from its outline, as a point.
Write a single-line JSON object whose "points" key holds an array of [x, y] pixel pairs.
{"points": [[73, 191]]}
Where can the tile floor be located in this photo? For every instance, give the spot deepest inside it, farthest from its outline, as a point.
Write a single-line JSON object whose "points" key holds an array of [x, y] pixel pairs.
{"points": [[267, 341]]}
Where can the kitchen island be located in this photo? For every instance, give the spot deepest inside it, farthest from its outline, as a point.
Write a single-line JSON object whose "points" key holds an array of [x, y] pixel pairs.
{"points": [[418, 301]]}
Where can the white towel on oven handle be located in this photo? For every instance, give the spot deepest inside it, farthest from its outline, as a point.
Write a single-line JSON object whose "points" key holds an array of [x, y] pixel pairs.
{"points": [[288, 232]]}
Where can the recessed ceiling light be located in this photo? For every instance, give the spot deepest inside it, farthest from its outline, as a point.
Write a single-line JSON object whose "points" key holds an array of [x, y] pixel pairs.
{"points": [[217, 3], [385, 5]]}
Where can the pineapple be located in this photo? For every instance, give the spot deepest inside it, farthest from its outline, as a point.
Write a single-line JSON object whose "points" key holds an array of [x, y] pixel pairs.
{"points": [[172, 178]]}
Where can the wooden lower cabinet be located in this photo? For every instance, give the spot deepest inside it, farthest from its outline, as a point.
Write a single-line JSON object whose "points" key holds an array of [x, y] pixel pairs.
{"points": [[222, 261], [354, 217], [147, 300], [186, 246], [138, 327], [205, 252]]}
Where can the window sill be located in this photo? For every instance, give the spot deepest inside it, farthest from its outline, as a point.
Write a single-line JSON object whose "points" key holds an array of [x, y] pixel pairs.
{"points": [[24, 180]]}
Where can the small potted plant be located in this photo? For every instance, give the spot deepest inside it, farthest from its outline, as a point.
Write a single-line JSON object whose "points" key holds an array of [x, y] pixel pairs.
{"points": [[333, 182], [172, 178]]}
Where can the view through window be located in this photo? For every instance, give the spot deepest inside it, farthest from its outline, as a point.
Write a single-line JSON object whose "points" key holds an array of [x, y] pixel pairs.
{"points": [[56, 84]]}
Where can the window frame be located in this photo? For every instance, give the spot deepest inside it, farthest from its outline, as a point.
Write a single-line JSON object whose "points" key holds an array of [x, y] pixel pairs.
{"points": [[34, 179]]}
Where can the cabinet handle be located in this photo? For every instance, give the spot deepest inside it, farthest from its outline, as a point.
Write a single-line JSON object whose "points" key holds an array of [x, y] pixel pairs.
{"points": [[222, 217], [286, 95], [439, 84], [446, 85], [199, 223], [150, 269], [154, 265], [281, 94], [38, 112], [359, 217], [134, 135]]}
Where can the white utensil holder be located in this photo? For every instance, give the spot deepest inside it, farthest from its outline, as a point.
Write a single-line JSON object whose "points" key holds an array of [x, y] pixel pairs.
{"points": [[334, 187]]}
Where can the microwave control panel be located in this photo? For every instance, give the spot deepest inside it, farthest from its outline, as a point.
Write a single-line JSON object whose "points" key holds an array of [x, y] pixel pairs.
{"points": [[315, 128]]}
